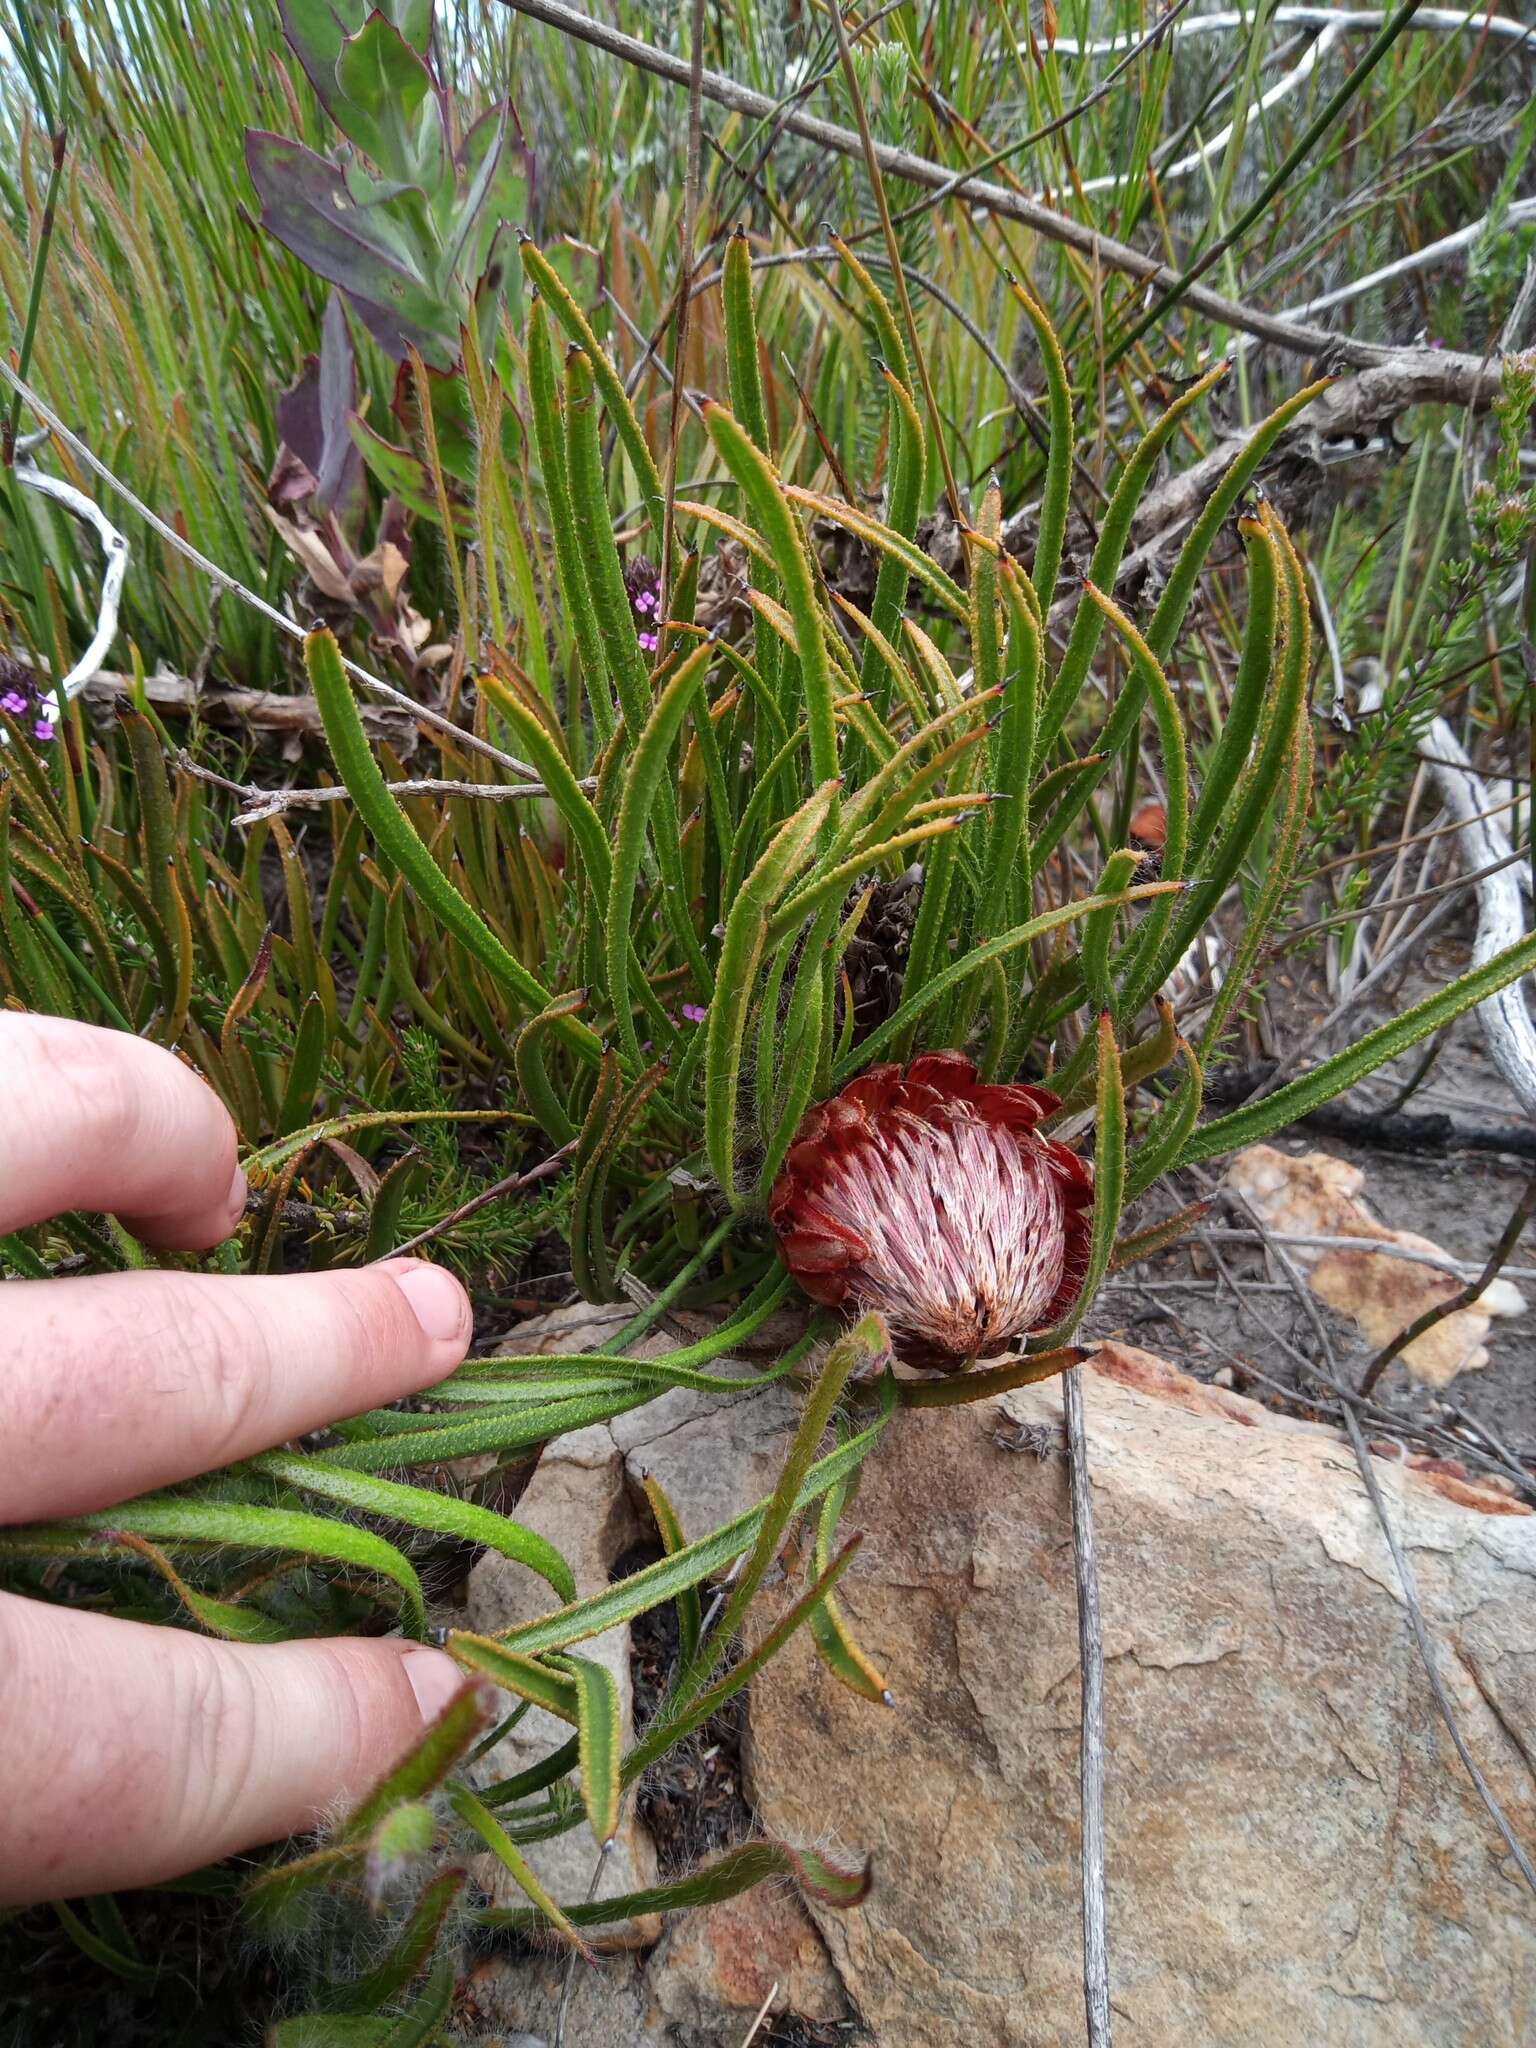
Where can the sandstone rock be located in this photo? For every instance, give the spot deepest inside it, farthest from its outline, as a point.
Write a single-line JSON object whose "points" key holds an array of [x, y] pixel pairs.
{"points": [[1316, 1195], [718, 1968], [1295, 1854]]}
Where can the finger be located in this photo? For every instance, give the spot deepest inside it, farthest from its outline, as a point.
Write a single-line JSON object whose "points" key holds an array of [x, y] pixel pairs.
{"points": [[120, 1382], [96, 1119], [132, 1754]]}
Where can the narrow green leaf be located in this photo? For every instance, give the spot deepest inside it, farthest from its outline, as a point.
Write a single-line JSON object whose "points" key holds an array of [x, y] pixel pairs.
{"points": [[703, 1557], [1166, 1135], [834, 1639], [598, 1742], [412, 1952], [1108, 1178], [226, 1524], [397, 839], [646, 765], [523, 1676], [1114, 531], [736, 1871], [501, 1845], [683, 1712], [105, 1954], [1055, 496], [740, 954], [769, 502], [959, 1389], [467, 1715], [690, 1612], [992, 949], [565, 309], [221, 1618], [421, 1509], [1248, 1126], [863, 1347]]}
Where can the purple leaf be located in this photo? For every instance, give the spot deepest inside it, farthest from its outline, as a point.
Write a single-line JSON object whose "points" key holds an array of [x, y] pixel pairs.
{"points": [[306, 205], [341, 467]]}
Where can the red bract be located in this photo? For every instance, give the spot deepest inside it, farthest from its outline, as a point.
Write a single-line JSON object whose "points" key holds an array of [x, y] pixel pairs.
{"points": [[931, 1196]]}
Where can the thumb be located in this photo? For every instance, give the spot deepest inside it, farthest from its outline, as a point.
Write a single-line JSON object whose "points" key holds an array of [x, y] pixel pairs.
{"points": [[133, 1754]]}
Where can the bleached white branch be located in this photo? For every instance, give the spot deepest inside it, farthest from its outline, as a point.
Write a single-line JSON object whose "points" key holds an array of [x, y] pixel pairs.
{"points": [[1299, 72], [1505, 1019], [1428, 258], [1441, 20], [115, 549]]}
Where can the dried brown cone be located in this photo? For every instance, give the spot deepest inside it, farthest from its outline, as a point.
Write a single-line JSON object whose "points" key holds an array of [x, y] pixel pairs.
{"points": [[876, 959]]}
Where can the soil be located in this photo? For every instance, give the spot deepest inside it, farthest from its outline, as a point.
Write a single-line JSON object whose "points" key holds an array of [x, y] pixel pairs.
{"points": [[1177, 1303], [692, 1800]]}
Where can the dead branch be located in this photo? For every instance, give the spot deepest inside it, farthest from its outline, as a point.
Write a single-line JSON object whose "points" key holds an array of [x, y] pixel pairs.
{"points": [[1485, 847], [1090, 1644], [1357, 408], [1455, 378], [115, 549], [265, 710], [513, 1184], [258, 803], [220, 579]]}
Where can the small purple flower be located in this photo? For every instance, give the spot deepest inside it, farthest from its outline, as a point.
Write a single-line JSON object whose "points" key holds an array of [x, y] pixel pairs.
{"points": [[14, 702], [643, 584], [694, 1013], [42, 730]]}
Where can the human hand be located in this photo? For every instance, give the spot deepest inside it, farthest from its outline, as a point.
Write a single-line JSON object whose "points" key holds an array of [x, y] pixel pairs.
{"points": [[131, 1753]]}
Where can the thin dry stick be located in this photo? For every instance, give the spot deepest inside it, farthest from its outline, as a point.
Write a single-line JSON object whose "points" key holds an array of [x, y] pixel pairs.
{"points": [[510, 1186], [222, 580], [1457, 378], [1509, 1237], [1453, 20], [762, 2013], [1090, 1645], [1430, 921], [262, 803], [1463, 1269], [1075, 112], [1396, 903], [1387, 1421]]}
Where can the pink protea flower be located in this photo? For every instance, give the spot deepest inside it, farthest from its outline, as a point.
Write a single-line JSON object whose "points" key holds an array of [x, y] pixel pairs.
{"points": [[932, 1197]]}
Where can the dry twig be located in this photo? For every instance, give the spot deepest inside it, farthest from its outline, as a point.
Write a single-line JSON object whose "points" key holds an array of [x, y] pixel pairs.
{"points": [[1442, 373], [513, 1184], [258, 803], [1090, 1643]]}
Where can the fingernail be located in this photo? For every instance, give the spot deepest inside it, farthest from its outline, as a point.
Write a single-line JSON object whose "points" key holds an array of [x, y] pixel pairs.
{"points": [[436, 1298], [435, 1678]]}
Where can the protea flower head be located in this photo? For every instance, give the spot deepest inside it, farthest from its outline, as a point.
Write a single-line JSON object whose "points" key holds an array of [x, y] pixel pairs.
{"points": [[931, 1196]]}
